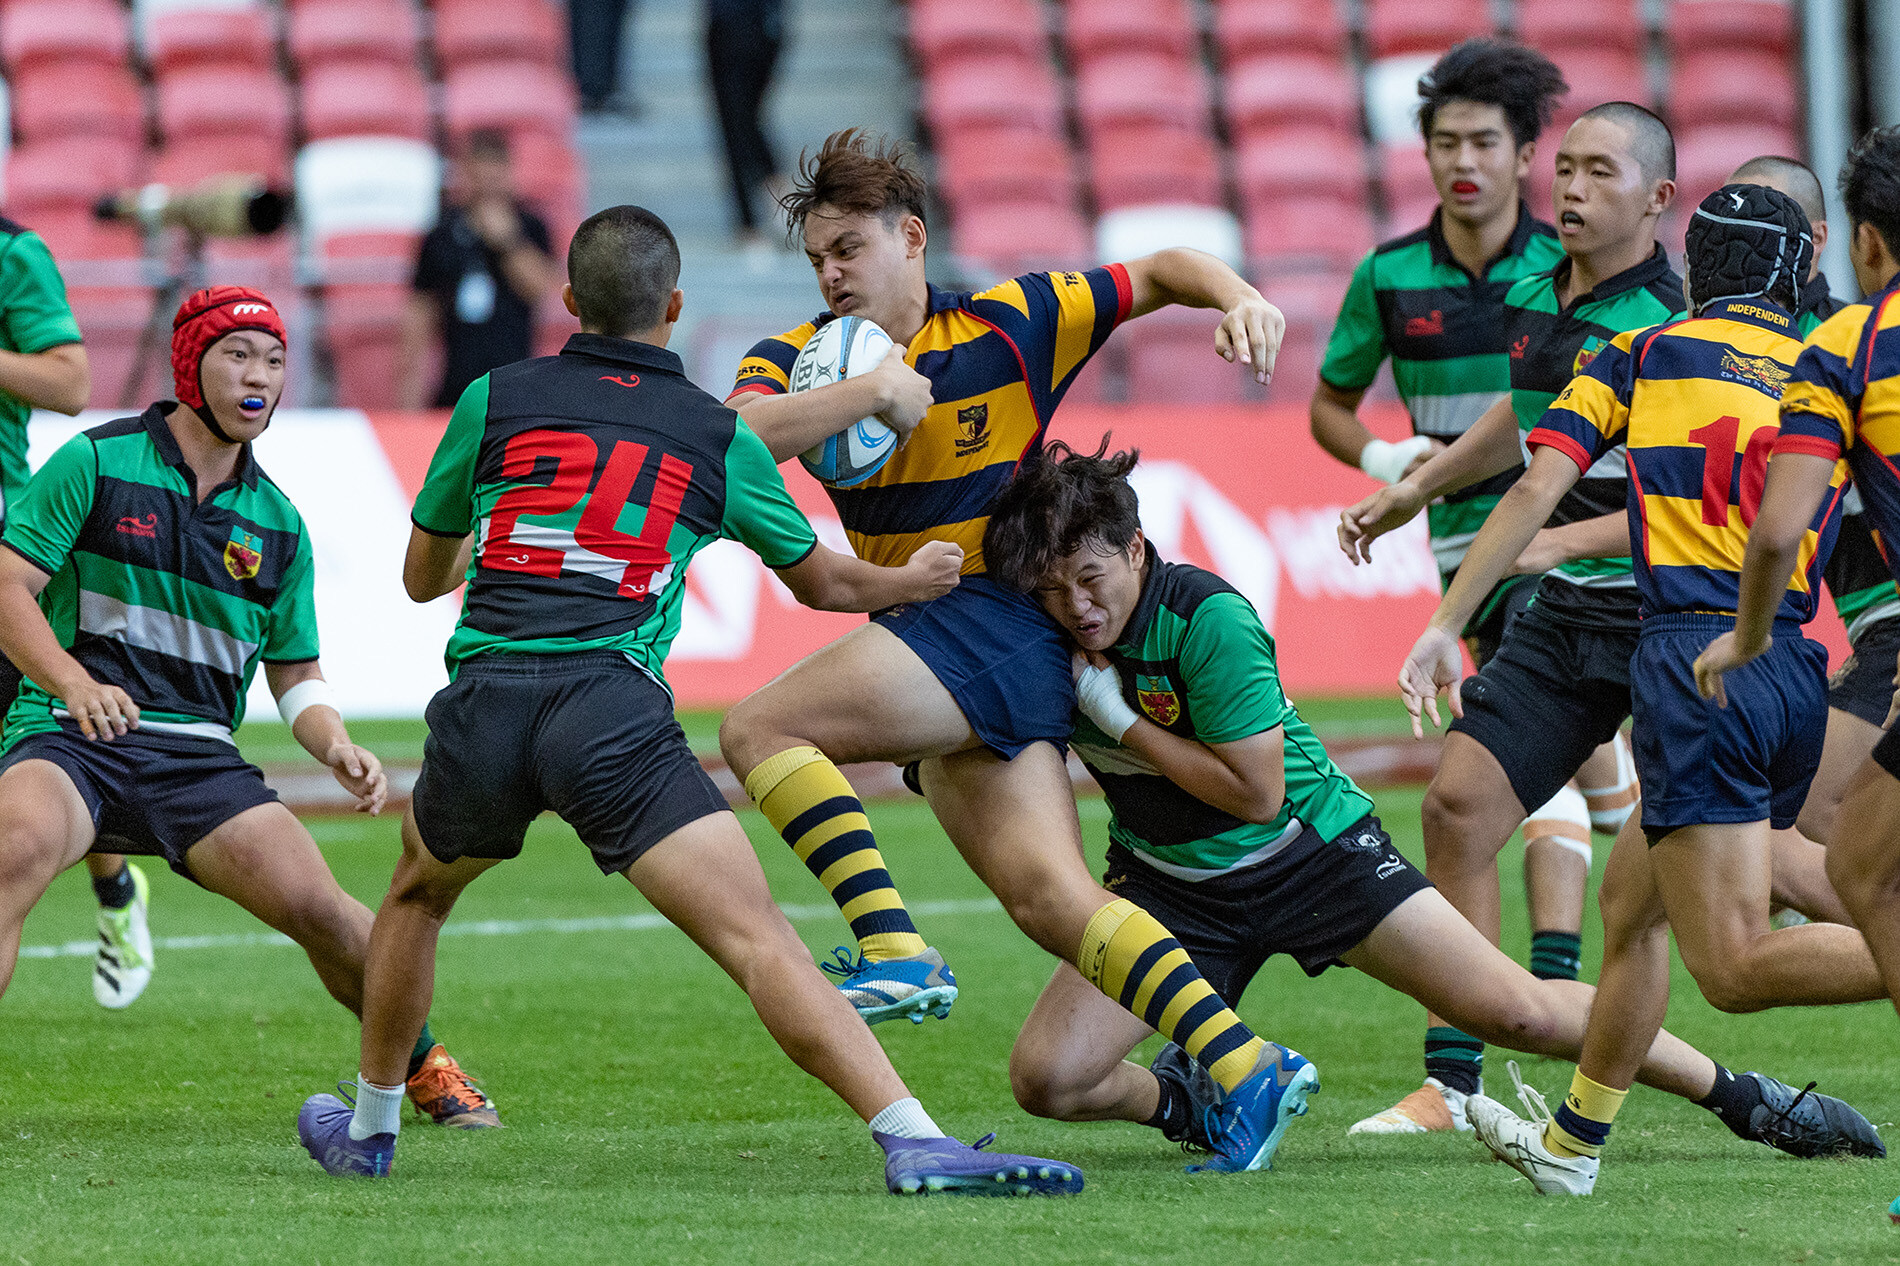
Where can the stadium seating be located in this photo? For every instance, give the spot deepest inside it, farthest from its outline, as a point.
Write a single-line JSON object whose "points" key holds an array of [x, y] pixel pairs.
{"points": [[188, 161], [221, 36], [1298, 231], [1706, 155], [1008, 165], [1768, 25], [486, 31], [1272, 90], [1171, 360], [1298, 161], [992, 92], [944, 29], [364, 98], [1554, 26], [67, 175], [1009, 236], [43, 32], [1732, 86], [1245, 28], [1138, 166], [77, 99], [1406, 26], [1127, 89], [515, 97], [320, 32], [1092, 28]]}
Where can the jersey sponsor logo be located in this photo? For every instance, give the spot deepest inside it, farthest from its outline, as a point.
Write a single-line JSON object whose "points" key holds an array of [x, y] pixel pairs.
{"points": [[1587, 353], [1763, 372], [249, 309], [1760, 314], [1425, 326], [631, 380], [754, 367], [1157, 698], [1364, 841], [146, 527], [1388, 868], [243, 554], [1519, 347], [973, 425]]}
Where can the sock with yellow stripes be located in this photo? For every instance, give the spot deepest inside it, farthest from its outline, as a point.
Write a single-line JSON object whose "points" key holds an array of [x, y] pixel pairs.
{"points": [[808, 801], [1129, 956], [1582, 1123]]}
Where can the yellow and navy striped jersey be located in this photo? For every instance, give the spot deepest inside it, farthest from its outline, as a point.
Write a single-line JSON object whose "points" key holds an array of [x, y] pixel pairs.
{"points": [[999, 362], [1845, 398], [1697, 404]]}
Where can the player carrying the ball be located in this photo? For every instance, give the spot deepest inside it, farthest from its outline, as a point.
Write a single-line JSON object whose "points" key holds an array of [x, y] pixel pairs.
{"points": [[571, 492], [149, 567], [1232, 825], [975, 686]]}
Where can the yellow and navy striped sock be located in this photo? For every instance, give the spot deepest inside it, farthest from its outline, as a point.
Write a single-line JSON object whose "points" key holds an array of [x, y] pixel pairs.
{"points": [[808, 801], [1582, 1123], [1129, 956]]}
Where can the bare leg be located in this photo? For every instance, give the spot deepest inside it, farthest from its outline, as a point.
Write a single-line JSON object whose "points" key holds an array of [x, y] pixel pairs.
{"points": [[265, 860], [1849, 742], [1633, 987], [1068, 1063], [1428, 951], [1800, 879], [104, 865], [44, 828], [1863, 860]]}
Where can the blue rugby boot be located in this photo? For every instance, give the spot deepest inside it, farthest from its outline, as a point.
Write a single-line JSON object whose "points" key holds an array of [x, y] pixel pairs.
{"points": [[1249, 1125], [323, 1126], [918, 1167], [910, 988]]}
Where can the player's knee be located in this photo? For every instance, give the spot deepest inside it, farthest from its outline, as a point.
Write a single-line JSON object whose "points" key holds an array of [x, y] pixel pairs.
{"points": [[1039, 1086], [29, 851], [1450, 816], [1727, 987]]}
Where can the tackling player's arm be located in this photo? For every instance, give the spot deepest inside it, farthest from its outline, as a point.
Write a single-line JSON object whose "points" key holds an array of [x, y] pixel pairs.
{"points": [[435, 564], [318, 728], [790, 423], [1489, 448], [826, 580], [1250, 329], [1606, 536], [51, 370], [103, 711]]}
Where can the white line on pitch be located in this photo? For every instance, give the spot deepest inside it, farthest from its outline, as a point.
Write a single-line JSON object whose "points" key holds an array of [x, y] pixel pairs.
{"points": [[497, 927]]}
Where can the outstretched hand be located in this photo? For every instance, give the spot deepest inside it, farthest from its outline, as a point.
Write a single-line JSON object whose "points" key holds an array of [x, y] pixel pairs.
{"points": [[1364, 522], [1435, 664], [1250, 334]]}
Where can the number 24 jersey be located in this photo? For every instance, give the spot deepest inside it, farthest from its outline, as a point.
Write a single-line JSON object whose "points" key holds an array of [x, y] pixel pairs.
{"points": [[591, 479]]}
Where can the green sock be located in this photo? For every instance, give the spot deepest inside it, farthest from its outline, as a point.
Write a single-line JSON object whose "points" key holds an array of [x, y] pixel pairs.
{"points": [[424, 1045]]}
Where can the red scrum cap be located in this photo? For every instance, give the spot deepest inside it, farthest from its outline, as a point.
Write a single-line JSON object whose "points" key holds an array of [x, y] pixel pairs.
{"points": [[203, 319]]}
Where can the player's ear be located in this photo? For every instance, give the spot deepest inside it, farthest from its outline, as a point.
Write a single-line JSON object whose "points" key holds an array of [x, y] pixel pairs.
{"points": [[1661, 195], [1526, 155], [915, 237], [567, 299], [1137, 548], [675, 302]]}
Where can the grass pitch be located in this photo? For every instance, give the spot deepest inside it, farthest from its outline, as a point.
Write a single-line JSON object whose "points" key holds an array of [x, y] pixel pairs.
{"points": [[651, 1119]]}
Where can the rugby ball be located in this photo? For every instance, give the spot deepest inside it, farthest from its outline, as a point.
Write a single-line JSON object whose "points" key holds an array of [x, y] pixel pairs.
{"points": [[843, 349]]}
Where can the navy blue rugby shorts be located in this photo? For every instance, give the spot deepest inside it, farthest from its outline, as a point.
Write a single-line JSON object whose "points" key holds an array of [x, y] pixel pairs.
{"points": [[1000, 656], [1703, 765]]}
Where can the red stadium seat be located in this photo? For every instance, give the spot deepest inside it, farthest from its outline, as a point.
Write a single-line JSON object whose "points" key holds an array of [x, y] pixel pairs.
{"points": [[74, 234], [198, 158], [365, 99], [1007, 165], [1599, 75], [1136, 89], [223, 37], [1014, 236], [69, 173], [1406, 26], [1245, 28], [1304, 228], [1155, 165], [1171, 360], [1558, 25], [384, 259], [77, 99], [1709, 24], [268, 264], [1093, 28], [499, 30], [943, 29], [111, 319], [1301, 161], [1310, 302], [1706, 155], [40, 32], [1273, 91], [553, 326], [512, 95], [1730, 85], [323, 31], [204, 101], [975, 93], [1405, 178], [364, 328]]}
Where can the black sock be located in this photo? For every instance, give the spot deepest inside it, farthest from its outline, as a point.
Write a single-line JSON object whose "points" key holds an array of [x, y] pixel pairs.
{"points": [[424, 1044], [1173, 1110], [1556, 955], [1734, 1099], [1455, 1058], [117, 892]]}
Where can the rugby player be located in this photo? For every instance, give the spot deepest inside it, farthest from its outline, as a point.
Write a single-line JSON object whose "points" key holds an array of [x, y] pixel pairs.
{"points": [[591, 479], [1232, 825], [149, 567], [1558, 688], [1695, 403], [974, 687], [1844, 397], [1433, 301]]}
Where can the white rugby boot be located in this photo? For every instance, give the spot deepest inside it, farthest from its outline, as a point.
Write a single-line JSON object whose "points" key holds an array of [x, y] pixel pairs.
{"points": [[1520, 1143]]}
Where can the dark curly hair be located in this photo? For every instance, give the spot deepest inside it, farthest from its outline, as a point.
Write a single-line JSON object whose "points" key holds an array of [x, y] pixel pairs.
{"points": [[1870, 184], [1520, 81], [1055, 506], [855, 171]]}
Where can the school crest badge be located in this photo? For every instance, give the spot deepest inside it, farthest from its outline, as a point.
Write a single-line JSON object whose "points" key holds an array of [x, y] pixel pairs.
{"points": [[1588, 352], [243, 554], [1157, 698], [973, 429]]}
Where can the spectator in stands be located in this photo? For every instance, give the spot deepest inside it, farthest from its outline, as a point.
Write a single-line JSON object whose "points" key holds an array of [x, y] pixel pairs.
{"points": [[596, 31], [480, 273], [743, 40]]}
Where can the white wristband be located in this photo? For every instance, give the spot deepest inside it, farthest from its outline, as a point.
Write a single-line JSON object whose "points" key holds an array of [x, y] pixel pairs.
{"points": [[1386, 461], [303, 695], [1098, 692]]}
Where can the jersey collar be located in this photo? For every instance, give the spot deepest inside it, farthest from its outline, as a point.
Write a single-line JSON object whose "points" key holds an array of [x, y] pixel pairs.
{"points": [[1818, 297], [157, 423], [1514, 245], [1651, 269], [941, 300], [1143, 615], [624, 351], [1762, 313]]}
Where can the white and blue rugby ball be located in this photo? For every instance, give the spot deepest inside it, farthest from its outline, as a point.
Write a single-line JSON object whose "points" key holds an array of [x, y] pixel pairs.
{"points": [[843, 349]]}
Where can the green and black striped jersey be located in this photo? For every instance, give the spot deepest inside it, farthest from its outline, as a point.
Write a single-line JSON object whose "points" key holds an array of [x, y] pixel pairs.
{"points": [[171, 598], [1551, 343], [1196, 661], [1443, 329]]}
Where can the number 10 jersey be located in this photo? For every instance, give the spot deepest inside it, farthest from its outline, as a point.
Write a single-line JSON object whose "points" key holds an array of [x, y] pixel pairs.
{"points": [[591, 479]]}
